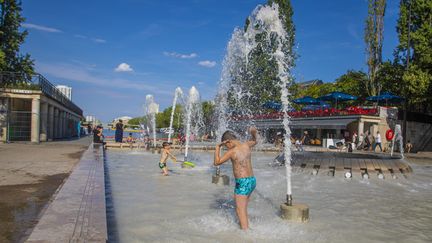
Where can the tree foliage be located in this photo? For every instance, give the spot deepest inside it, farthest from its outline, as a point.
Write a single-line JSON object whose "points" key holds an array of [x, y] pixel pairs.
{"points": [[258, 81], [11, 39], [417, 79], [374, 38]]}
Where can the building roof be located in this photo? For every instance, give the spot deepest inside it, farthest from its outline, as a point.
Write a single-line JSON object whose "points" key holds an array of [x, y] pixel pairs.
{"points": [[310, 83]]}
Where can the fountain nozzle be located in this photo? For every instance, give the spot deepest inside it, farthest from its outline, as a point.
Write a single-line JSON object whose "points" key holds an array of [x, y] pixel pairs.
{"points": [[289, 200]]}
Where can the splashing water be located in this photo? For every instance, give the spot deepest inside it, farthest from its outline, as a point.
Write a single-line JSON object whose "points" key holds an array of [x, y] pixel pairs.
{"points": [[232, 96], [151, 109], [178, 93], [397, 138], [194, 120]]}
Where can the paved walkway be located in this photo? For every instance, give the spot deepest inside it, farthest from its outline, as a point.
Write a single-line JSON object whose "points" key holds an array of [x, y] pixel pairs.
{"points": [[29, 175], [78, 212]]}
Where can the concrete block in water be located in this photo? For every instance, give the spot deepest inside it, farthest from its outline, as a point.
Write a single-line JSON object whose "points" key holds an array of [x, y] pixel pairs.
{"points": [[296, 212], [220, 180]]}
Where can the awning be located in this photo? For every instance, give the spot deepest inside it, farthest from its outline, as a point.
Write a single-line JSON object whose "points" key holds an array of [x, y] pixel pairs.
{"points": [[332, 123], [323, 124]]}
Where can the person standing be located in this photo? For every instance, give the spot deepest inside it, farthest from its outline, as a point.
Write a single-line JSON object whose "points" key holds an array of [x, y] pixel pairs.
{"points": [[245, 182], [354, 140], [360, 144], [89, 129], [119, 132], [378, 141]]}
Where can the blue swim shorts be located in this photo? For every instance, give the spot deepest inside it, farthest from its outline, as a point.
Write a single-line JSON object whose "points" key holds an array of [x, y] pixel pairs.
{"points": [[245, 186]]}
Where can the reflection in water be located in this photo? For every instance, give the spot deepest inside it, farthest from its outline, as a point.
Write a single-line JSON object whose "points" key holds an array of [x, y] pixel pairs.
{"points": [[186, 206]]}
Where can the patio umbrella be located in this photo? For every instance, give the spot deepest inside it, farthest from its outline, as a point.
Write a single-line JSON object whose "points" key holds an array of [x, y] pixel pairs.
{"points": [[337, 96], [272, 105], [388, 97], [321, 105], [306, 100]]}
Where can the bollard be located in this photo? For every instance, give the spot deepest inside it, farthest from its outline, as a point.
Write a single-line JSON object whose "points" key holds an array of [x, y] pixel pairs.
{"points": [[294, 212], [222, 180]]}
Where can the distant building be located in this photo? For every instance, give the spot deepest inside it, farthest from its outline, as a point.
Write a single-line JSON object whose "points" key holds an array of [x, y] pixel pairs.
{"points": [[37, 114], [66, 90], [310, 83], [90, 119]]}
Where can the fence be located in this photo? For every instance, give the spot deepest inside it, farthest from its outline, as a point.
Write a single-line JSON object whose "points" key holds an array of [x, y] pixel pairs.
{"points": [[18, 126], [36, 82]]}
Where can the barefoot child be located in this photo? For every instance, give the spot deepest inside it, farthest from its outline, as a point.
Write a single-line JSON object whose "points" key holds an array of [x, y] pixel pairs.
{"points": [[164, 157], [240, 155]]}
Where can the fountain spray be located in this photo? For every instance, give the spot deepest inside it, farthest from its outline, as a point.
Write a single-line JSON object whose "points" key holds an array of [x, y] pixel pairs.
{"points": [[152, 109], [193, 117], [178, 92], [265, 22]]}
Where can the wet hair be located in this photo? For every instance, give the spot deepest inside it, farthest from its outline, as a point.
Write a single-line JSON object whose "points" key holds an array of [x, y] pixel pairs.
{"points": [[164, 144], [228, 135], [130, 134]]}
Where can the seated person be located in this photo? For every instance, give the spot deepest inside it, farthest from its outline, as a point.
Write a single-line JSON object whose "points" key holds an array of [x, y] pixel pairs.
{"points": [[408, 146], [98, 136], [341, 145], [130, 140]]}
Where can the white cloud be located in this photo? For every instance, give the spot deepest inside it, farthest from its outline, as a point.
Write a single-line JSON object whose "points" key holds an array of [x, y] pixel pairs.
{"points": [[179, 55], [98, 40], [79, 74], [123, 67], [207, 63], [41, 28], [80, 36]]}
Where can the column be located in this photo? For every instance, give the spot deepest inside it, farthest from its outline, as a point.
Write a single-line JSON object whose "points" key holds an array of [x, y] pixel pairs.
{"points": [[51, 123], [374, 129], [44, 122], [360, 129], [61, 120], [56, 123], [4, 108], [319, 133], [35, 121]]}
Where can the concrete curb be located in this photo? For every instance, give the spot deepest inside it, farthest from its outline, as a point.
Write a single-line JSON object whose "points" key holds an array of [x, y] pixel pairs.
{"points": [[78, 211]]}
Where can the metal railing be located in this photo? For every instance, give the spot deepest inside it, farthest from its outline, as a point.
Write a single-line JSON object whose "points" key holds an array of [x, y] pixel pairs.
{"points": [[15, 80]]}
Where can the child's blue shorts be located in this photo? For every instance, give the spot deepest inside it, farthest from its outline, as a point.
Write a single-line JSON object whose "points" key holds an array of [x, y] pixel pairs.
{"points": [[245, 186]]}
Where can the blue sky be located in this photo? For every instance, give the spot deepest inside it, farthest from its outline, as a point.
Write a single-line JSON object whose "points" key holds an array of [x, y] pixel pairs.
{"points": [[114, 53]]}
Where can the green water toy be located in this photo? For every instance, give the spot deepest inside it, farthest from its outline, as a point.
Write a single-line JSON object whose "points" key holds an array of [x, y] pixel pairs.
{"points": [[188, 163]]}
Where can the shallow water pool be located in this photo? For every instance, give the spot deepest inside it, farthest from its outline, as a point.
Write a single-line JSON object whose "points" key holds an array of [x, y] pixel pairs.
{"points": [[145, 206]]}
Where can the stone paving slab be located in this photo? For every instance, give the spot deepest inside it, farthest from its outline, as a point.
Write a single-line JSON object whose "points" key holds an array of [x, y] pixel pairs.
{"points": [[78, 211]]}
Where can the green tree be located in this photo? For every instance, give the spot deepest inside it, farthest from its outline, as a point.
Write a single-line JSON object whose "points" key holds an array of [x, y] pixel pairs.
{"points": [[286, 13], [138, 120], [258, 81], [414, 53], [11, 39], [317, 90], [390, 76], [418, 53], [353, 82], [374, 41], [208, 109], [2, 59]]}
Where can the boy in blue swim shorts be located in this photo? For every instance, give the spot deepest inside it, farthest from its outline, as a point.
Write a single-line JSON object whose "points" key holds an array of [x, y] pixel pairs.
{"points": [[165, 153], [240, 155]]}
